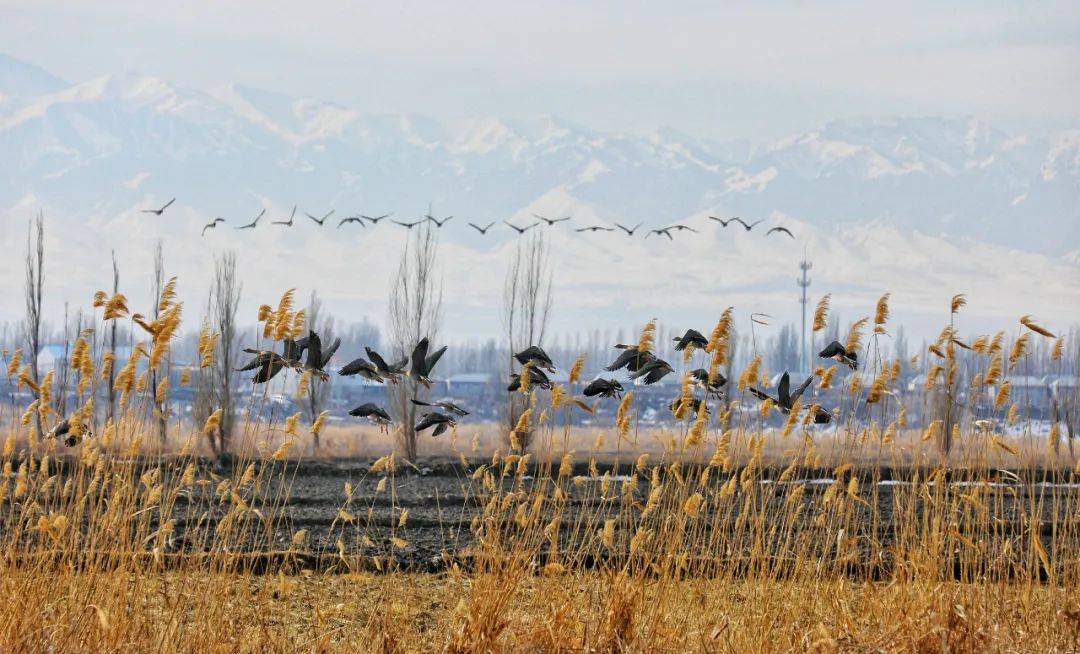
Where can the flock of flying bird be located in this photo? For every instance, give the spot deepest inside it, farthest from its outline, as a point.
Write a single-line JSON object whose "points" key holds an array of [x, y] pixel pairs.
{"points": [[308, 355], [363, 220]]}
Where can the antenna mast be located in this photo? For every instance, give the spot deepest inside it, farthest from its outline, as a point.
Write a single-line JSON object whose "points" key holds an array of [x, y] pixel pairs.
{"points": [[804, 283]]}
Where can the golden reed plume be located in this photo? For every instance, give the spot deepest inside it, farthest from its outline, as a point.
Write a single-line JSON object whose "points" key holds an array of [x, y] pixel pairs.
{"points": [[1029, 322], [821, 313]]}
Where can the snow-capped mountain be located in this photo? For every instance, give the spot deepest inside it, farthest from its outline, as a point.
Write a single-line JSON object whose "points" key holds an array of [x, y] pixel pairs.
{"points": [[92, 154], [19, 79], [79, 145]]}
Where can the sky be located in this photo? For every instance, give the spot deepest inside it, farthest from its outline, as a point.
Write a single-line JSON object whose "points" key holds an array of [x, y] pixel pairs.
{"points": [[756, 70]]}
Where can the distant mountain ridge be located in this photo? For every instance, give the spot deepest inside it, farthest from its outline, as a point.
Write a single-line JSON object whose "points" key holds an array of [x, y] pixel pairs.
{"points": [[82, 145]]}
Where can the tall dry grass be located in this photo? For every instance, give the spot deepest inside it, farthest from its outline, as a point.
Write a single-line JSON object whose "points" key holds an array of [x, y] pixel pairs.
{"points": [[723, 535]]}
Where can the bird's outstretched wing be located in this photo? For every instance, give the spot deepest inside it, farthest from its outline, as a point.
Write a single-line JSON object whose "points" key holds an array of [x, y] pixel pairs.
{"points": [[429, 419], [656, 374], [831, 350], [289, 221], [623, 360], [260, 359], [356, 366], [801, 389], [314, 352], [362, 411], [419, 354], [759, 394], [268, 371], [291, 350], [783, 390], [432, 359], [328, 353], [376, 358]]}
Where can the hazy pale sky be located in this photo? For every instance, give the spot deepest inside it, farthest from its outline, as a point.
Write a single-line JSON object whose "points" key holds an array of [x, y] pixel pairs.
{"points": [[756, 70]]}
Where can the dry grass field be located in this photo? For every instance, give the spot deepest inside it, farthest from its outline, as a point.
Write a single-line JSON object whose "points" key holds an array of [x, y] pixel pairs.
{"points": [[720, 535]]}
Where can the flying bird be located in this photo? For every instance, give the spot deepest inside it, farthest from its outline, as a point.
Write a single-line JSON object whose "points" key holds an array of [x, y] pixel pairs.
{"points": [[836, 350], [631, 358], [701, 380], [252, 224], [440, 421], [320, 221], [438, 223], [292, 350], [693, 405], [317, 358], [423, 363], [521, 230], [629, 230], [361, 367], [723, 223], [211, 225], [372, 412], [64, 428], [595, 228], [653, 371], [289, 222], [551, 221], [537, 355], [482, 230], [449, 407], [375, 219], [785, 398], [603, 388], [680, 228], [743, 223], [661, 230], [389, 372], [352, 219], [158, 212], [781, 230], [270, 363], [692, 338], [536, 378], [409, 225]]}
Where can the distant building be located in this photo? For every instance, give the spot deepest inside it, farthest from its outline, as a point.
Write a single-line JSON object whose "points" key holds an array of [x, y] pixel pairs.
{"points": [[469, 382], [51, 357]]}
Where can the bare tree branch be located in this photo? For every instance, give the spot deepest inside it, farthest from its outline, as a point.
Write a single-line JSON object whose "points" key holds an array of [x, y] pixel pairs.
{"points": [[415, 312]]}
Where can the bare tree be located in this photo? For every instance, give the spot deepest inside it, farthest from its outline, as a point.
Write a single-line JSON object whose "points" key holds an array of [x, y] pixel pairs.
{"points": [[526, 310], [35, 270], [415, 313], [318, 390], [225, 300]]}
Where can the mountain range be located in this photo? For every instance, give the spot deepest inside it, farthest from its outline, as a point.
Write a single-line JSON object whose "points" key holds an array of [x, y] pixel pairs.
{"points": [[95, 152]]}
